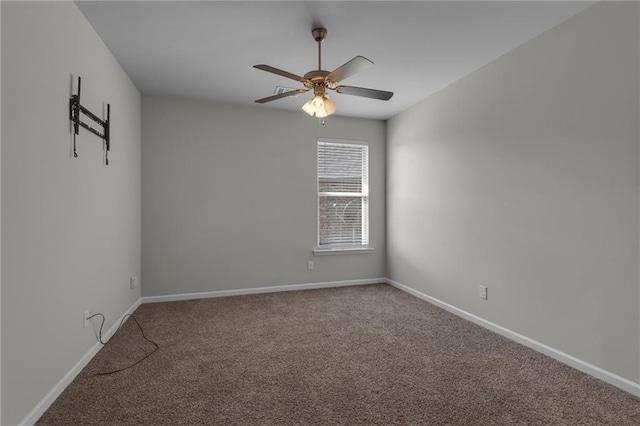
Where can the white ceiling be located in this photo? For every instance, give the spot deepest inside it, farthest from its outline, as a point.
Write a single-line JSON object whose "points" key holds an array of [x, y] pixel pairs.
{"points": [[205, 50]]}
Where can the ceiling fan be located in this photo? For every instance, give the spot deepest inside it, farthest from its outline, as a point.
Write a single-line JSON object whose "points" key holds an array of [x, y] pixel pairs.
{"points": [[320, 80]]}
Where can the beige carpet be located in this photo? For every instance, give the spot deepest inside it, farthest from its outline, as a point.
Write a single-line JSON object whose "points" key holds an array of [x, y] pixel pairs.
{"points": [[353, 355]]}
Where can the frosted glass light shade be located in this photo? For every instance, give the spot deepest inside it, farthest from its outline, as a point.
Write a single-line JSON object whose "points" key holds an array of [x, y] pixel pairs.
{"points": [[319, 106]]}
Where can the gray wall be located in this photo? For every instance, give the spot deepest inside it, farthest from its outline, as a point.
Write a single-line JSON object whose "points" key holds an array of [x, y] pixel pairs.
{"points": [[229, 198], [70, 227], [523, 176]]}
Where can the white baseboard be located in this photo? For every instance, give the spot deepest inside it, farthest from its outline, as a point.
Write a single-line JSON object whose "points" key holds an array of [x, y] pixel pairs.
{"points": [[258, 290], [46, 402], [595, 371]]}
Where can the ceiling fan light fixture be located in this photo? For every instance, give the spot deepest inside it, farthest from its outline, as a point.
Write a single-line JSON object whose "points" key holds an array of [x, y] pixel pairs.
{"points": [[320, 106]]}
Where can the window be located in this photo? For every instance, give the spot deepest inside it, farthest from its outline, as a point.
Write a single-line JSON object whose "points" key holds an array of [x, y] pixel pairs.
{"points": [[343, 194]]}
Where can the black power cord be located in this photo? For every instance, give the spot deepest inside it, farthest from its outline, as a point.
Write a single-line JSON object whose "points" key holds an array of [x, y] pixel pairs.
{"points": [[119, 327]]}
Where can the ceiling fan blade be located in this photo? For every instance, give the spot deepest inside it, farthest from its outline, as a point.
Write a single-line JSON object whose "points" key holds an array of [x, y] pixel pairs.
{"points": [[271, 69], [366, 93], [350, 68], [281, 95]]}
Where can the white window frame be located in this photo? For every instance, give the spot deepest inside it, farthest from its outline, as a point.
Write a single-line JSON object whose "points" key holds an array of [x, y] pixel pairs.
{"points": [[328, 249]]}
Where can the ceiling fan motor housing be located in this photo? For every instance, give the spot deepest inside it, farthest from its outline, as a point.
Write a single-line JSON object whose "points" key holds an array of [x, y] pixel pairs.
{"points": [[317, 76], [317, 81]]}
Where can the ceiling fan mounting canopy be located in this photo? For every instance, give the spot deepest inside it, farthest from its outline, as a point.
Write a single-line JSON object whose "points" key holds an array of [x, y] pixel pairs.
{"points": [[320, 80], [319, 34]]}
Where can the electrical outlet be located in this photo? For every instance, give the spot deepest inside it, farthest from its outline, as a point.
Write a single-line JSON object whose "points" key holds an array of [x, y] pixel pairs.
{"points": [[310, 265], [85, 319], [133, 282], [483, 292]]}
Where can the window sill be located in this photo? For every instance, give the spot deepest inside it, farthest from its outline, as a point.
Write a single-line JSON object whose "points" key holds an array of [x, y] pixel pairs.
{"points": [[342, 250]]}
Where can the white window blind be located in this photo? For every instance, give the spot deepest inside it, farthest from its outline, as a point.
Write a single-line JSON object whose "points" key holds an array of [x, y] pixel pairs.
{"points": [[343, 193]]}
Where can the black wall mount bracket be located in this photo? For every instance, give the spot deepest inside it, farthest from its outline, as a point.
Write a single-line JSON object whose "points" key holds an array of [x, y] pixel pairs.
{"points": [[75, 109]]}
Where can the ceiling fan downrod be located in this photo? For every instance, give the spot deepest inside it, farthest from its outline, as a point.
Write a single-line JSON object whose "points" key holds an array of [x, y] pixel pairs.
{"points": [[319, 34]]}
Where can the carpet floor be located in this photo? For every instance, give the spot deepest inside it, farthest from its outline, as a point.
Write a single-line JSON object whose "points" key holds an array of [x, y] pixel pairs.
{"points": [[353, 355]]}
